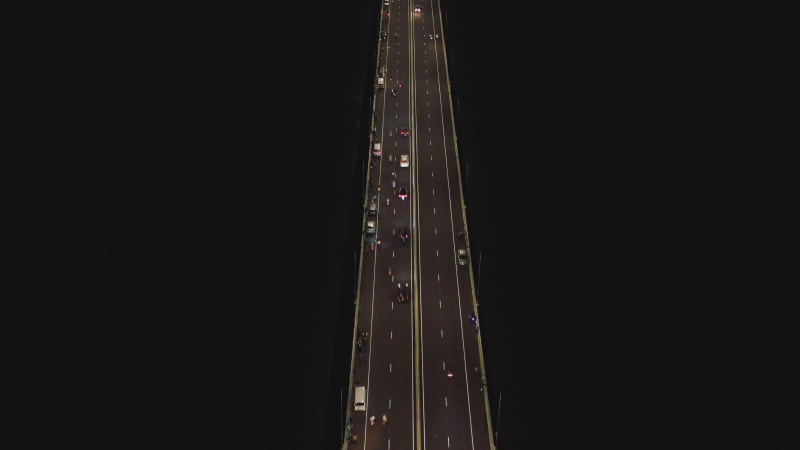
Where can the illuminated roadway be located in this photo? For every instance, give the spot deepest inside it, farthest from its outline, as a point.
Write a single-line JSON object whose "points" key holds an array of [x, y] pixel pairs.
{"points": [[403, 360]]}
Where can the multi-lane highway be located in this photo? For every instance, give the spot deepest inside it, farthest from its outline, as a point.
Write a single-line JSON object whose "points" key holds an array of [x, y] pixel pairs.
{"points": [[417, 346]]}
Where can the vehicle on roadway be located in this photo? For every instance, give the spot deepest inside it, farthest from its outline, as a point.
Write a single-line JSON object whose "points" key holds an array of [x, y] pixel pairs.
{"points": [[463, 259], [372, 211], [393, 92], [403, 293], [371, 231], [417, 352], [360, 398], [404, 162], [403, 236], [417, 8]]}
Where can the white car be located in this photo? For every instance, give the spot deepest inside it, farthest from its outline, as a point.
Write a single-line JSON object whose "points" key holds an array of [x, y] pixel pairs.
{"points": [[404, 161], [462, 257]]}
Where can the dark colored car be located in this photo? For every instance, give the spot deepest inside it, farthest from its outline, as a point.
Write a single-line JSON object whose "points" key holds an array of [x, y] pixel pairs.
{"points": [[405, 131], [402, 194], [393, 92], [403, 235], [384, 35], [403, 293]]}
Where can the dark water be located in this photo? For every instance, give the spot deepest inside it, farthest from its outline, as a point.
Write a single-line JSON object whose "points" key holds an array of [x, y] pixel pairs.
{"points": [[184, 221]]}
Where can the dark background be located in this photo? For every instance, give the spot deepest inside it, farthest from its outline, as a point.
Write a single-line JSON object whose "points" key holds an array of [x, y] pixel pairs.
{"points": [[183, 215]]}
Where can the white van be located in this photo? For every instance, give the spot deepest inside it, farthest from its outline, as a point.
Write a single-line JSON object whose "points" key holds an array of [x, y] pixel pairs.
{"points": [[376, 149], [380, 83], [360, 403]]}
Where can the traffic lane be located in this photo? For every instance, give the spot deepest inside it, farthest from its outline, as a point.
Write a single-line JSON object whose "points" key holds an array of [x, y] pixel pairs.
{"points": [[439, 271], [394, 216], [439, 157], [392, 257], [396, 267], [447, 344], [397, 64], [400, 18], [402, 407], [445, 399], [397, 59], [399, 269], [369, 283], [433, 95], [446, 275], [375, 293], [438, 407], [461, 278], [395, 119], [396, 110], [391, 379], [474, 378], [393, 261], [447, 420], [388, 368], [463, 338], [440, 302], [424, 26], [465, 281], [360, 375], [399, 114], [433, 123], [391, 385]]}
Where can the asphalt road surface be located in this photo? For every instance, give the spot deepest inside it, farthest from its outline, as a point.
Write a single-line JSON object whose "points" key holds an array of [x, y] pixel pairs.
{"points": [[409, 341]]}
